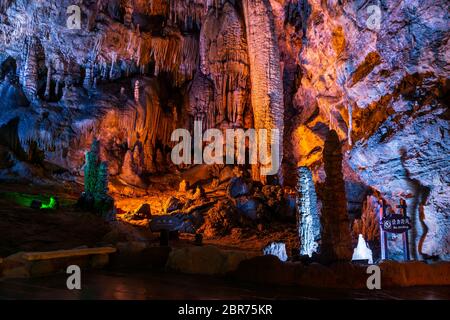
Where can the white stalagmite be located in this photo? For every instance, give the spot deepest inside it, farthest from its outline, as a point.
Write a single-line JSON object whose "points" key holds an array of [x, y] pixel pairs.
{"points": [[277, 249], [362, 251], [308, 219]]}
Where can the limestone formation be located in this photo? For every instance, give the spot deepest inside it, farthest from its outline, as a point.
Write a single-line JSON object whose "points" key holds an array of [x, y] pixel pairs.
{"points": [[336, 239], [129, 172], [128, 7], [136, 91], [49, 81], [308, 218], [29, 76], [276, 249], [87, 83], [303, 67], [224, 59], [265, 71]]}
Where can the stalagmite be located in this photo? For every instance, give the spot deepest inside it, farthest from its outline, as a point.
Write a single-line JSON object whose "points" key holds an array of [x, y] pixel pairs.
{"points": [[265, 72], [129, 174], [277, 249], [336, 240], [362, 251], [138, 158], [308, 219]]}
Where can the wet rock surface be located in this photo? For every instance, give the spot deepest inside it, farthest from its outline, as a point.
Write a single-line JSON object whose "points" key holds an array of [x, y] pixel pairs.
{"points": [[143, 285]]}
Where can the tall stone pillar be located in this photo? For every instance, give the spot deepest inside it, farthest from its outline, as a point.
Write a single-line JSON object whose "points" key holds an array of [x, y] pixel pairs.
{"points": [[308, 219], [265, 72], [336, 237]]}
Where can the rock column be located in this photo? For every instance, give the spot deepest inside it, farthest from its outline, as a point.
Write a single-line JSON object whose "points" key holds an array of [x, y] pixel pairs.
{"points": [[308, 219], [265, 72], [336, 238]]}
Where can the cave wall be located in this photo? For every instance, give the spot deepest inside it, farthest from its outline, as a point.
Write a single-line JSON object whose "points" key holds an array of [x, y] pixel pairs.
{"points": [[385, 92], [138, 69]]}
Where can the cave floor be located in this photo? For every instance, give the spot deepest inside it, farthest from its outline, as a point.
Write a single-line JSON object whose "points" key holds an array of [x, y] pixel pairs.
{"points": [[26, 229], [154, 285]]}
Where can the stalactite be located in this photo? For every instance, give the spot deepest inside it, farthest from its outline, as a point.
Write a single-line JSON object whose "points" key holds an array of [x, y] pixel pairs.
{"points": [[350, 124], [30, 73], [265, 72], [104, 70], [201, 99], [87, 83], [188, 12], [158, 8], [95, 52], [175, 55], [147, 123], [57, 87], [136, 91], [224, 59], [113, 63], [139, 52], [128, 18], [49, 81]]}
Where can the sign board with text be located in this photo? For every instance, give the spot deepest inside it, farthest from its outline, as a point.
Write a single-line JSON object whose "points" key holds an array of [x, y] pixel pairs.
{"points": [[396, 223]]}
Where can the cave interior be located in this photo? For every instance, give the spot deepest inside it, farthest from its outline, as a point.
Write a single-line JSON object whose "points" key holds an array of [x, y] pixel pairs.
{"points": [[88, 115]]}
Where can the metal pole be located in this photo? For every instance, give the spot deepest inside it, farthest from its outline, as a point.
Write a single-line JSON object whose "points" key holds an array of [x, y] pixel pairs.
{"points": [[383, 240], [403, 208]]}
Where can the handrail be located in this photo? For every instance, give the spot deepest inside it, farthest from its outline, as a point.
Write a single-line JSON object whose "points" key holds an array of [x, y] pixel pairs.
{"points": [[34, 256]]}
